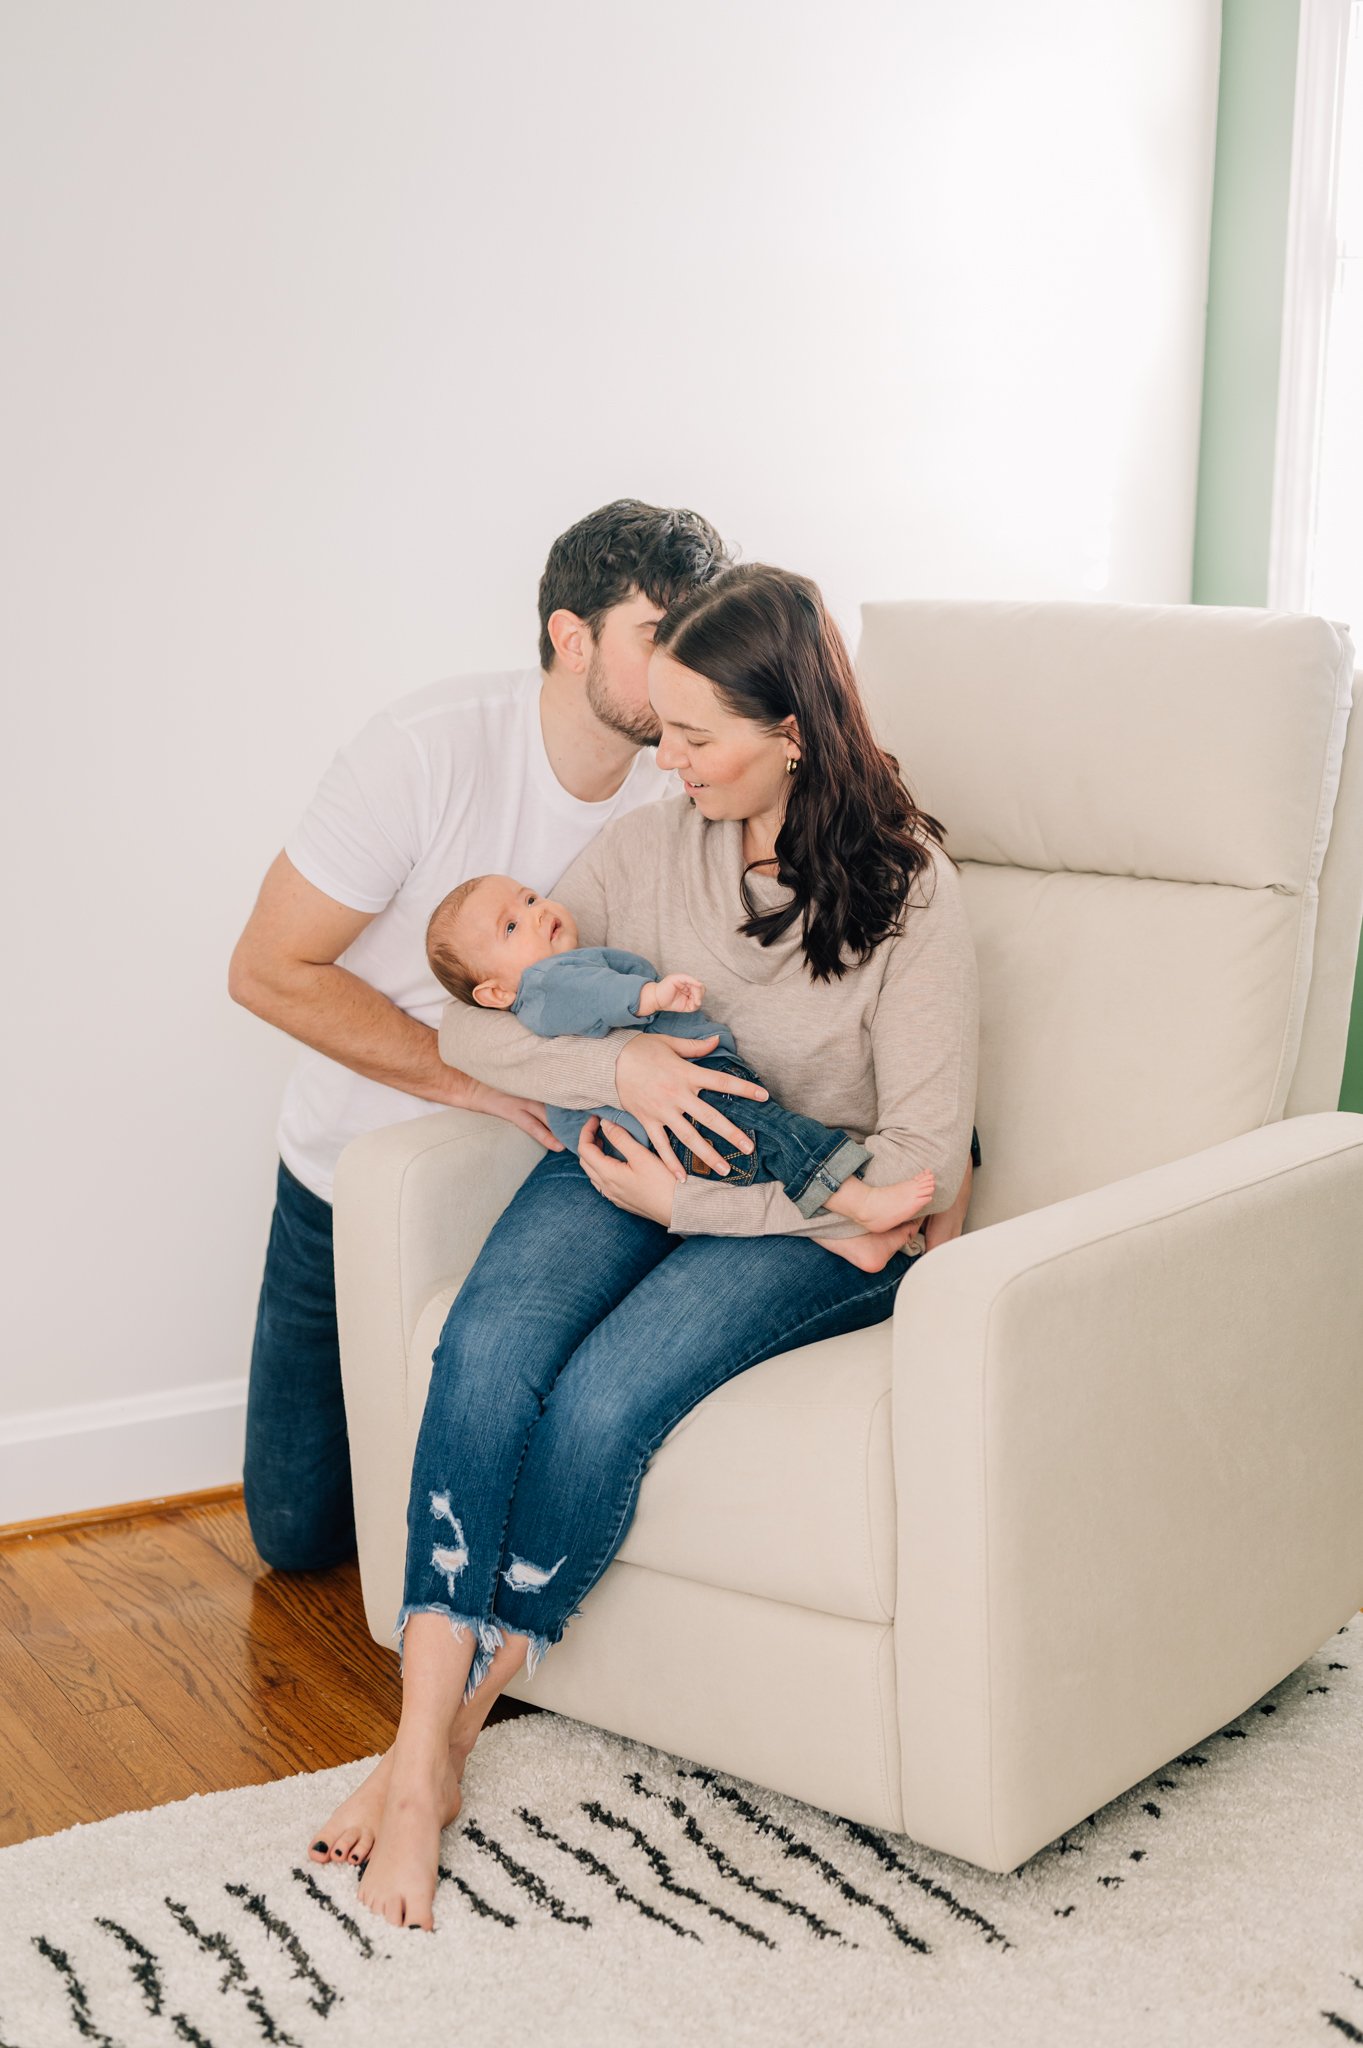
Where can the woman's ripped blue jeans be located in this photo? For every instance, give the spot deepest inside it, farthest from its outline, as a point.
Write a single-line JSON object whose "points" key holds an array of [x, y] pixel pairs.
{"points": [[579, 1340]]}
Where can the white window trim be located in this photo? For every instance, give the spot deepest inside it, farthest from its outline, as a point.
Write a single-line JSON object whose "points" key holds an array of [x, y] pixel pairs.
{"points": [[1308, 293]]}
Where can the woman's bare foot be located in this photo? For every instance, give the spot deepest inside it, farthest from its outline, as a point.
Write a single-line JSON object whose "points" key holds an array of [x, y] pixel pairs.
{"points": [[349, 1835], [873, 1250], [403, 1866], [883, 1208]]}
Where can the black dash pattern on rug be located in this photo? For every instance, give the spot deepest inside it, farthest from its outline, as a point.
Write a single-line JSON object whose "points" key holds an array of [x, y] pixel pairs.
{"points": [[529, 1881], [323, 1995], [603, 1870], [76, 1996], [893, 1861], [189, 2033], [234, 1977], [805, 1852], [725, 1864], [479, 1904], [329, 1905], [662, 1870], [145, 1974]]}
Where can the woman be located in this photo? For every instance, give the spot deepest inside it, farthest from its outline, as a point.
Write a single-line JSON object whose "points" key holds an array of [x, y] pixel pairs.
{"points": [[797, 878]]}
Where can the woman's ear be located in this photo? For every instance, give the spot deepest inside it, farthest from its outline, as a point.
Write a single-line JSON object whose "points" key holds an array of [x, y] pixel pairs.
{"points": [[492, 996]]}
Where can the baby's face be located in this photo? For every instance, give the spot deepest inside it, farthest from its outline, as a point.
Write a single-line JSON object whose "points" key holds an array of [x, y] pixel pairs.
{"points": [[503, 928]]}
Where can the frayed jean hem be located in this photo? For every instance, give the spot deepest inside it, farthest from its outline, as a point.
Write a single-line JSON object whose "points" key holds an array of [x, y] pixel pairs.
{"points": [[487, 1638], [538, 1644]]}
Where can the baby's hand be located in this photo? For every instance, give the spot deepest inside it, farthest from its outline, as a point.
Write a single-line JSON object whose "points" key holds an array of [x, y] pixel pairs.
{"points": [[676, 992]]}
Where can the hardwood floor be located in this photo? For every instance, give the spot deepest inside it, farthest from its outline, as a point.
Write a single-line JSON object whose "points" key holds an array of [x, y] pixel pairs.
{"points": [[146, 1658]]}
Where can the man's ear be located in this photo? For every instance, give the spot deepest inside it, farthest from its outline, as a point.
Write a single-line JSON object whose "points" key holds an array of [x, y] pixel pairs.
{"points": [[493, 996], [572, 638]]}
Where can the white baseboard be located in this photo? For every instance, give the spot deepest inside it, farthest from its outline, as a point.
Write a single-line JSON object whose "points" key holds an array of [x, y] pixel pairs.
{"points": [[60, 1461]]}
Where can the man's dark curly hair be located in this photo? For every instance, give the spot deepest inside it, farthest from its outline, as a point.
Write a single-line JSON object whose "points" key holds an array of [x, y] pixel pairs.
{"points": [[624, 547]]}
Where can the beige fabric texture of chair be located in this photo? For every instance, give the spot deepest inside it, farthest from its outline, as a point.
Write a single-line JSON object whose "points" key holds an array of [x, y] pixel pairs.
{"points": [[1097, 1485]]}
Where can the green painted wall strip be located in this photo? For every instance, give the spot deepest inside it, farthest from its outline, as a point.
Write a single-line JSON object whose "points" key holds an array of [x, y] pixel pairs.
{"points": [[1250, 190], [1245, 300]]}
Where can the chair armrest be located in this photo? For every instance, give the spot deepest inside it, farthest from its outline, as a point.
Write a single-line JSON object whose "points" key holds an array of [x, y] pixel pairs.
{"points": [[1128, 1449], [412, 1205]]}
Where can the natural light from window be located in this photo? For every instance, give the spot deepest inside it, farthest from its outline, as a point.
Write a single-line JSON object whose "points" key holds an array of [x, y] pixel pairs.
{"points": [[1335, 564]]}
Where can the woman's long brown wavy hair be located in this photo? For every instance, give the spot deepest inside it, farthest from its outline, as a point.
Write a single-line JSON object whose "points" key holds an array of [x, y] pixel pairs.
{"points": [[852, 838]]}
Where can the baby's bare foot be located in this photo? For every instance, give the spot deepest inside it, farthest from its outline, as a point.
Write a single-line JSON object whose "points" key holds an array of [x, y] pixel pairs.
{"points": [[400, 1878], [349, 1835], [873, 1250], [883, 1208]]}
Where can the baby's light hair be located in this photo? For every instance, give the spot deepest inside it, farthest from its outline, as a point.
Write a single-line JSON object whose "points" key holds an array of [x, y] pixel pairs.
{"points": [[448, 966]]}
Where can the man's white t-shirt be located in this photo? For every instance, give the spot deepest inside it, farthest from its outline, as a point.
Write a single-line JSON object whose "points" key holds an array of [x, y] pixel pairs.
{"points": [[448, 782]]}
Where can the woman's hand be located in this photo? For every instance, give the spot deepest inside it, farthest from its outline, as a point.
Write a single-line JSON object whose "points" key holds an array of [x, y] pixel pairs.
{"points": [[655, 1083], [639, 1182]]}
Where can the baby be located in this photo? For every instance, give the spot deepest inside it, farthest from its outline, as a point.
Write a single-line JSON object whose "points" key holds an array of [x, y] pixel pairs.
{"points": [[494, 942]]}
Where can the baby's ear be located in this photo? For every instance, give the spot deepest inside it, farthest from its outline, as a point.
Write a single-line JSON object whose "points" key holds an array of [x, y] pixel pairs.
{"points": [[493, 997]]}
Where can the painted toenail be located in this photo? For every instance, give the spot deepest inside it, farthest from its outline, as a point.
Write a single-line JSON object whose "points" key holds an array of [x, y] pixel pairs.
{"points": [[320, 1845]]}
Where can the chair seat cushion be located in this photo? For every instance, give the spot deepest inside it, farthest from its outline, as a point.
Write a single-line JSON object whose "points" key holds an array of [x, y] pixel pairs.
{"points": [[779, 1483]]}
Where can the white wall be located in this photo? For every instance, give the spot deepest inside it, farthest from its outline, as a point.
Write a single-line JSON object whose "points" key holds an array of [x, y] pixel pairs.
{"points": [[324, 318]]}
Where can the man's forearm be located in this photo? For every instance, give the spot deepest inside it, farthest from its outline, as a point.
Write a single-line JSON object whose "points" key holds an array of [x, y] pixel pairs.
{"points": [[336, 1013]]}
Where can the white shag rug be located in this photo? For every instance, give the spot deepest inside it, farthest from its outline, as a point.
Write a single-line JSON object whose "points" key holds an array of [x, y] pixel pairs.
{"points": [[599, 1894]]}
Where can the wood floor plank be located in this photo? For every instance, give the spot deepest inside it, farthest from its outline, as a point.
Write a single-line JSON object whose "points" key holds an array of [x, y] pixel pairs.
{"points": [[326, 1606], [161, 1657], [201, 1678], [224, 1525], [43, 1607], [298, 1626], [69, 1737], [36, 1796], [199, 1615], [126, 1672], [154, 1763]]}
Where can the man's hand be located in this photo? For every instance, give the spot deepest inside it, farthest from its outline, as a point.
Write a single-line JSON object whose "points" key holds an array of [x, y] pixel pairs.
{"points": [[513, 1109], [655, 1083], [639, 1182]]}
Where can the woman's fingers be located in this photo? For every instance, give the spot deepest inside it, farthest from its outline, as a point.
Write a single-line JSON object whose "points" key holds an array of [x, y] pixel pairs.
{"points": [[735, 1084], [589, 1151], [695, 1141], [662, 1145], [715, 1120]]}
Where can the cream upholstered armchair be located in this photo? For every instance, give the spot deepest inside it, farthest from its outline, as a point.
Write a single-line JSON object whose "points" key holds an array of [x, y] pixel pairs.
{"points": [[1098, 1484]]}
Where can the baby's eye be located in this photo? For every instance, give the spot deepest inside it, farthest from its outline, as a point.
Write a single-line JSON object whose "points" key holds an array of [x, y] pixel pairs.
{"points": [[511, 927]]}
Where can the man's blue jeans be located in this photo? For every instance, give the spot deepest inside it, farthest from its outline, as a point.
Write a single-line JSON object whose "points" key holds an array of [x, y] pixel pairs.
{"points": [[581, 1337], [297, 1476]]}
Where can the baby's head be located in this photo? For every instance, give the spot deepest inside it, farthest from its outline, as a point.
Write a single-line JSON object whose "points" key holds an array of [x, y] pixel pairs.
{"points": [[484, 934]]}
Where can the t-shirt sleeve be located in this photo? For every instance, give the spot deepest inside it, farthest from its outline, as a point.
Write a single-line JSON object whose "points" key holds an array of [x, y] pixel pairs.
{"points": [[369, 820]]}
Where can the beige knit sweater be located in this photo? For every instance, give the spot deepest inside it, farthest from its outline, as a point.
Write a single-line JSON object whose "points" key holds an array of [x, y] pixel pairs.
{"points": [[888, 1052]]}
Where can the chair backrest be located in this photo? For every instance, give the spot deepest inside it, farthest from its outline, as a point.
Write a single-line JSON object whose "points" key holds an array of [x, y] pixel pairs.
{"points": [[1141, 800]]}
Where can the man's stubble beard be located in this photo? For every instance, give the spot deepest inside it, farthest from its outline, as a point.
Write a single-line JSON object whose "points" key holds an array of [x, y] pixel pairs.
{"points": [[641, 727]]}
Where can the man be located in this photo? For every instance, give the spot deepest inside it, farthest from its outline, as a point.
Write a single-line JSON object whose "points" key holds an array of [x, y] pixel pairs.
{"points": [[505, 774]]}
